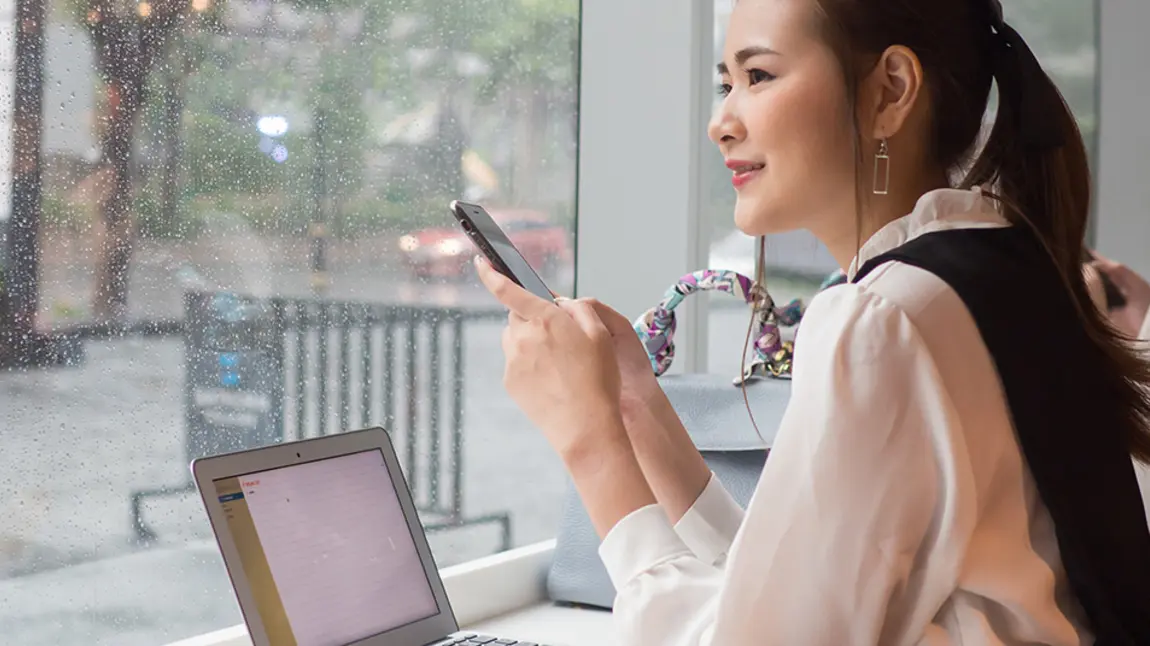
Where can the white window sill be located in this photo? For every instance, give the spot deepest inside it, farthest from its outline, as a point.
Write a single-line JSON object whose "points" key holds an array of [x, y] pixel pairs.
{"points": [[502, 595]]}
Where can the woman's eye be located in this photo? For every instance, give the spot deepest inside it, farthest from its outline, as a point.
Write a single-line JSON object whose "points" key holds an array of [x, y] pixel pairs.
{"points": [[754, 77], [758, 76]]}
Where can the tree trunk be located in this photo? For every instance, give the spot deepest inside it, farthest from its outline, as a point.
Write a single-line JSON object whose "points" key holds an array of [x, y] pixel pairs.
{"points": [[531, 124], [124, 102], [172, 148], [19, 286], [447, 150], [126, 50]]}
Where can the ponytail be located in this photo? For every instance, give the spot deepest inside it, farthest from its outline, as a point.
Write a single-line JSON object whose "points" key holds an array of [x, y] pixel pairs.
{"points": [[1035, 163], [1035, 156]]}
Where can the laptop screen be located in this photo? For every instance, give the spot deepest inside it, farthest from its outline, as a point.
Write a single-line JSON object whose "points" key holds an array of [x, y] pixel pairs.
{"points": [[326, 550]]}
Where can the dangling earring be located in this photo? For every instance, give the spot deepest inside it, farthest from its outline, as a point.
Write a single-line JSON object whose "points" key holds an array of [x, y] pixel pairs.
{"points": [[882, 169]]}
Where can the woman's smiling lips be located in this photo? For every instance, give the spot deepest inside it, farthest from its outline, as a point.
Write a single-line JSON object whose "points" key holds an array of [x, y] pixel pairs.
{"points": [[744, 171]]}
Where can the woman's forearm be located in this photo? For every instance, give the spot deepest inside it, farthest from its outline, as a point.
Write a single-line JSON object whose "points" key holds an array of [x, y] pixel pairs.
{"points": [[673, 467], [608, 479]]}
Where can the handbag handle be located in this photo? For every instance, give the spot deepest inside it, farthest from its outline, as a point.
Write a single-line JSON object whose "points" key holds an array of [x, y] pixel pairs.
{"points": [[772, 356]]}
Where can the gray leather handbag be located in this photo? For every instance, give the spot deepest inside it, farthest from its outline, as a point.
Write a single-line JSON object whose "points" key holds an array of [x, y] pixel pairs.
{"points": [[715, 414]]}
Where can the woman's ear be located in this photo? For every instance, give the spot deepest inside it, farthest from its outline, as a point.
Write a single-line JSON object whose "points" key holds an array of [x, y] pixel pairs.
{"points": [[892, 92]]}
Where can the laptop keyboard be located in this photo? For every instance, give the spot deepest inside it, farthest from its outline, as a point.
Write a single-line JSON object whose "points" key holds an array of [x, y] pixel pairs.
{"points": [[468, 639]]}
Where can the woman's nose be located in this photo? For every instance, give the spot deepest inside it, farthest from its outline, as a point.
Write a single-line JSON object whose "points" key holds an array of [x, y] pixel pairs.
{"points": [[725, 127]]}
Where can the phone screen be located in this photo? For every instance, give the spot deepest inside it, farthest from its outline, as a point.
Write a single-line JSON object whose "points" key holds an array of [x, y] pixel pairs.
{"points": [[494, 244]]}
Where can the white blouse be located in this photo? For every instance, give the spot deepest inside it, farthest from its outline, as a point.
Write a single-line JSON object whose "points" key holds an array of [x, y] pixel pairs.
{"points": [[895, 508]]}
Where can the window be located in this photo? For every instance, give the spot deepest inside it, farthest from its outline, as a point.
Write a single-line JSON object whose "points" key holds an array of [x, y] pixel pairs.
{"points": [[7, 90], [1063, 36], [244, 238]]}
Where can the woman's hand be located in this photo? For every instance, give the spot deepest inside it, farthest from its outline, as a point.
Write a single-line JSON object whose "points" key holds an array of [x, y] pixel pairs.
{"points": [[560, 367], [639, 387], [1129, 318], [562, 372], [671, 464]]}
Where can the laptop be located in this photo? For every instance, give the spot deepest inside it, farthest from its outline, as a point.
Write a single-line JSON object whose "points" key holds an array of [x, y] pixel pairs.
{"points": [[324, 547]]}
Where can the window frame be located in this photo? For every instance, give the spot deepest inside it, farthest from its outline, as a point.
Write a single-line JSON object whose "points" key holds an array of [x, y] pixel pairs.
{"points": [[642, 129], [7, 118], [1122, 227]]}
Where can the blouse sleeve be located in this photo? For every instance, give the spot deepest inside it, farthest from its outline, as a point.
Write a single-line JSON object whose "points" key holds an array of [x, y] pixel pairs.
{"points": [[843, 515], [710, 525]]}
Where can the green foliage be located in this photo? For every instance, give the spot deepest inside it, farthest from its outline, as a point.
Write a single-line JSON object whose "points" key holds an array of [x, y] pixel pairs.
{"points": [[1063, 35], [324, 80], [153, 223], [222, 156], [1054, 26], [372, 216], [58, 212], [337, 105], [535, 42], [273, 214]]}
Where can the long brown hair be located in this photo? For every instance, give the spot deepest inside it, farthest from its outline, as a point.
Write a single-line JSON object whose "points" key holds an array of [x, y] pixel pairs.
{"points": [[1034, 160]]}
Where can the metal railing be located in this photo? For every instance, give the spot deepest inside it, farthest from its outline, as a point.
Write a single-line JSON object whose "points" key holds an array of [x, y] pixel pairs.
{"points": [[327, 366]]}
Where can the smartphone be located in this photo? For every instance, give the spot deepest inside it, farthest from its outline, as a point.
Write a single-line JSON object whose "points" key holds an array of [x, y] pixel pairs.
{"points": [[495, 245]]}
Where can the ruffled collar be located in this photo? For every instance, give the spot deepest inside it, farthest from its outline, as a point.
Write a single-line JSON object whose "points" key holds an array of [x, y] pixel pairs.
{"points": [[937, 210]]}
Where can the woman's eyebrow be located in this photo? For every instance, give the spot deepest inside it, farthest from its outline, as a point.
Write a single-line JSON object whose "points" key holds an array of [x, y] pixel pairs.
{"points": [[746, 53]]}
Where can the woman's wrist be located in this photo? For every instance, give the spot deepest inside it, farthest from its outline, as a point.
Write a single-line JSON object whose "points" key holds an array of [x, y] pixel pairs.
{"points": [[609, 480], [670, 462], [637, 398], [586, 437]]}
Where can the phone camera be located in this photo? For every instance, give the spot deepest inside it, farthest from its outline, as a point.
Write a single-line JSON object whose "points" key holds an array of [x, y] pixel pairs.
{"points": [[467, 226], [298, 455]]}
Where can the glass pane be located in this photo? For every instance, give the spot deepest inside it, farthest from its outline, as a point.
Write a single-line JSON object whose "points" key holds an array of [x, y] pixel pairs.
{"points": [[1063, 35], [7, 91], [245, 238]]}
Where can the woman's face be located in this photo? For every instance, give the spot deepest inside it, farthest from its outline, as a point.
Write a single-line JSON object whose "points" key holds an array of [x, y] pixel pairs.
{"points": [[784, 125]]}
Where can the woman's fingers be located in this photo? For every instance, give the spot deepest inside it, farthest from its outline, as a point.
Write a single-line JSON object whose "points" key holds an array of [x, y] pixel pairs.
{"points": [[616, 323], [1131, 285], [587, 318], [515, 298]]}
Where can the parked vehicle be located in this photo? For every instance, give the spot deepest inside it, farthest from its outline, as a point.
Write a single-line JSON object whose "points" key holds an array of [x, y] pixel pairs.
{"points": [[446, 253]]}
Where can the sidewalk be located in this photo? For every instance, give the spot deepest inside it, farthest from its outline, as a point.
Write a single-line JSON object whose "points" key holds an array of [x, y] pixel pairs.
{"points": [[79, 441], [144, 599]]}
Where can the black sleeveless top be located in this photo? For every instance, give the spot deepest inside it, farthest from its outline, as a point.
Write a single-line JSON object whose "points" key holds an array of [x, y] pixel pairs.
{"points": [[1059, 397]]}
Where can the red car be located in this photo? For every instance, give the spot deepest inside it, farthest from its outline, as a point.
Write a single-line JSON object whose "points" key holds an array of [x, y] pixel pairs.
{"points": [[447, 253]]}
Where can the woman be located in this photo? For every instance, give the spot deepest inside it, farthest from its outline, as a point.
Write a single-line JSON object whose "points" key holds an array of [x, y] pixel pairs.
{"points": [[920, 490]]}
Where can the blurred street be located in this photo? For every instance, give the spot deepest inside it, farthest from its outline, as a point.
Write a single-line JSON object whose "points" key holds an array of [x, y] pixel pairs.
{"points": [[79, 440]]}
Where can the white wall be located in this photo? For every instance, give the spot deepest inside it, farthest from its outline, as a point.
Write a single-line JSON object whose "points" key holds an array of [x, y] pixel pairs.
{"points": [[642, 119], [1123, 198]]}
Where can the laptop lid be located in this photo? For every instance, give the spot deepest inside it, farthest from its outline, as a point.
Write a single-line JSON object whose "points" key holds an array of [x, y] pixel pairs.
{"points": [[323, 544]]}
